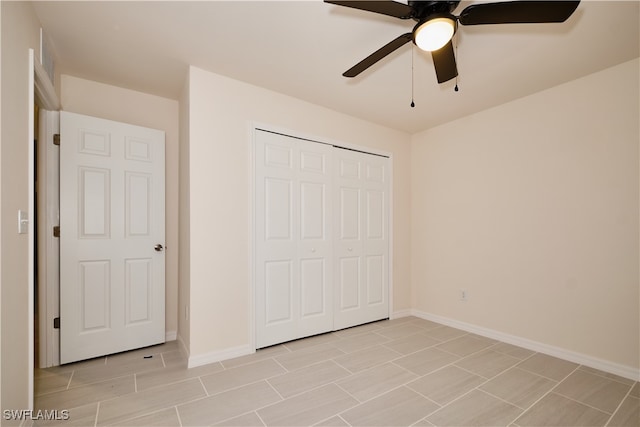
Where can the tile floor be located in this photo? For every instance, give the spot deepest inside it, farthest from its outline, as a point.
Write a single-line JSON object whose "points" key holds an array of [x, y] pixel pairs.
{"points": [[401, 372]]}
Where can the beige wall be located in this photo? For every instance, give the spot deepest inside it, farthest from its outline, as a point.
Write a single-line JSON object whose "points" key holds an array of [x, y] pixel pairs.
{"points": [[20, 31], [137, 108], [221, 111], [532, 207]]}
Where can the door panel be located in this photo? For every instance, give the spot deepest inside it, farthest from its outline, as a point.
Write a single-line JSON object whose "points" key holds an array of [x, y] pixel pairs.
{"points": [[362, 246], [294, 297], [321, 238], [111, 217]]}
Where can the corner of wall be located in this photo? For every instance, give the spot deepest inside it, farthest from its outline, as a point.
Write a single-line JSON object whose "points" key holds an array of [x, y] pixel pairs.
{"points": [[184, 261]]}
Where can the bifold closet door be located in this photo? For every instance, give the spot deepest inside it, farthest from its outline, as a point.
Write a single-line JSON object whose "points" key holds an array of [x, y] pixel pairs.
{"points": [[293, 238], [361, 243]]}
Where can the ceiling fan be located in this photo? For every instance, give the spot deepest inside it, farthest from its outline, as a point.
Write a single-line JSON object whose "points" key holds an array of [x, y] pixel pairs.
{"points": [[436, 25]]}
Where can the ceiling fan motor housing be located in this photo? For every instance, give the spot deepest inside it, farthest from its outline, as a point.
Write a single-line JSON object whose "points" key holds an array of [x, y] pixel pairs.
{"points": [[421, 10]]}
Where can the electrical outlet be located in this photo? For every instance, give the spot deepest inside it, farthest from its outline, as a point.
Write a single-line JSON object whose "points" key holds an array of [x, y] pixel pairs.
{"points": [[463, 295]]}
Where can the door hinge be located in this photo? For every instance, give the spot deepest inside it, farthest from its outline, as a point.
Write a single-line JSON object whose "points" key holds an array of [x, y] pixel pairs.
{"points": [[56, 139], [56, 231], [56, 323]]}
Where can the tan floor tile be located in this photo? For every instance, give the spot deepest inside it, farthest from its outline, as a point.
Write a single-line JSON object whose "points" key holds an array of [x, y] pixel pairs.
{"points": [[628, 415], [164, 418], [465, 345], [519, 387], [242, 375], [174, 358], [308, 356], [446, 384], [226, 405], [376, 381], [359, 342], [400, 407], [247, 420], [333, 422], [593, 390], [83, 364], [389, 323], [475, 409], [307, 378], [122, 368], [357, 330], [412, 343], [82, 416], [84, 395], [426, 361], [261, 354], [308, 408], [399, 331], [154, 350], [149, 401], [445, 333], [548, 366], [487, 363], [635, 391], [173, 374], [305, 343], [367, 358], [513, 351], [51, 382], [556, 410], [614, 377], [425, 324]]}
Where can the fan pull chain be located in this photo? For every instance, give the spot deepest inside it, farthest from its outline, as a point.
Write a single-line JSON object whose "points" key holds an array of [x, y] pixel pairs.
{"points": [[456, 88], [413, 104]]}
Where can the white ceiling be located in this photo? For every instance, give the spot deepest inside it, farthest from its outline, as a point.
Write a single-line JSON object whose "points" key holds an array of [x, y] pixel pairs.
{"points": [[301, 48]]}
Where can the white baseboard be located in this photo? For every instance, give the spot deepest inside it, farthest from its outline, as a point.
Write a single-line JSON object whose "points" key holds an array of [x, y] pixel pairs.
{"points": [[217, 356], [401, 313], [170, 335], [572, 356], [184, 352]]}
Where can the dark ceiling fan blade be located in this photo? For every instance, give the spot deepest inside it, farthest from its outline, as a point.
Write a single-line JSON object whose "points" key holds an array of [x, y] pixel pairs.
{"points": [[378, 55], [444, 61], [518, 12], [390, 8]]}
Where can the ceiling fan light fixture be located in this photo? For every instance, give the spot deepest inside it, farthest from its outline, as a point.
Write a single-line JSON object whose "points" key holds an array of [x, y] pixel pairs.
{"points": [[433, 33]]}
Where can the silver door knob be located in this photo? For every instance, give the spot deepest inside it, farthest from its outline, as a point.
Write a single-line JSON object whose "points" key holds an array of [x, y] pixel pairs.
{"points": [[158, 248]]}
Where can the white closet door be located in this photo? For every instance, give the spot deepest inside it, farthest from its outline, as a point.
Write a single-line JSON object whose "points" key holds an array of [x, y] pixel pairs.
{"points": [[293, 238], [361, 238]]}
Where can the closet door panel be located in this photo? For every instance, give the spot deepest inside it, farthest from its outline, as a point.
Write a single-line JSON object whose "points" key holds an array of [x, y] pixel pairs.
{"points": [[293, 262]]}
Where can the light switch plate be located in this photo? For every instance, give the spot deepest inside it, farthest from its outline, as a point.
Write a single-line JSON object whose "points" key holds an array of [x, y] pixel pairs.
{"points": [[23, 222]]}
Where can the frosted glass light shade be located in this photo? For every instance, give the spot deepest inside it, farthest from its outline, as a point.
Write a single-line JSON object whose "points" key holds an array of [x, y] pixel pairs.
{"points": [[434, 33]]}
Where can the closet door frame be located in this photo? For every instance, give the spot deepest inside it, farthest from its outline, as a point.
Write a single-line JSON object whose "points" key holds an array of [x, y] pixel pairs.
{"points": [[254, 127]]}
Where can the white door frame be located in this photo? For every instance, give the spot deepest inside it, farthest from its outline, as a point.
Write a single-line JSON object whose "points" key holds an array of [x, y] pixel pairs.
{"points": [[45, 97], [48, 245], [253, 127]]}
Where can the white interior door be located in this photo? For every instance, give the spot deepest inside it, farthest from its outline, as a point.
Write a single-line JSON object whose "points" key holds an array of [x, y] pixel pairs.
{"points": [[293, 238], [361, 238], [112, 293]]}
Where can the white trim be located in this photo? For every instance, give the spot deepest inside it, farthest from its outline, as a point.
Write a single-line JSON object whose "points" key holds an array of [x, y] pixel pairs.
{"points": [[571, 356], [170, 335], [182, 347], [45, 93], [322, 140], [31, 235], [401, 313], [217, 356], [252, 240], [48, 246]]}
